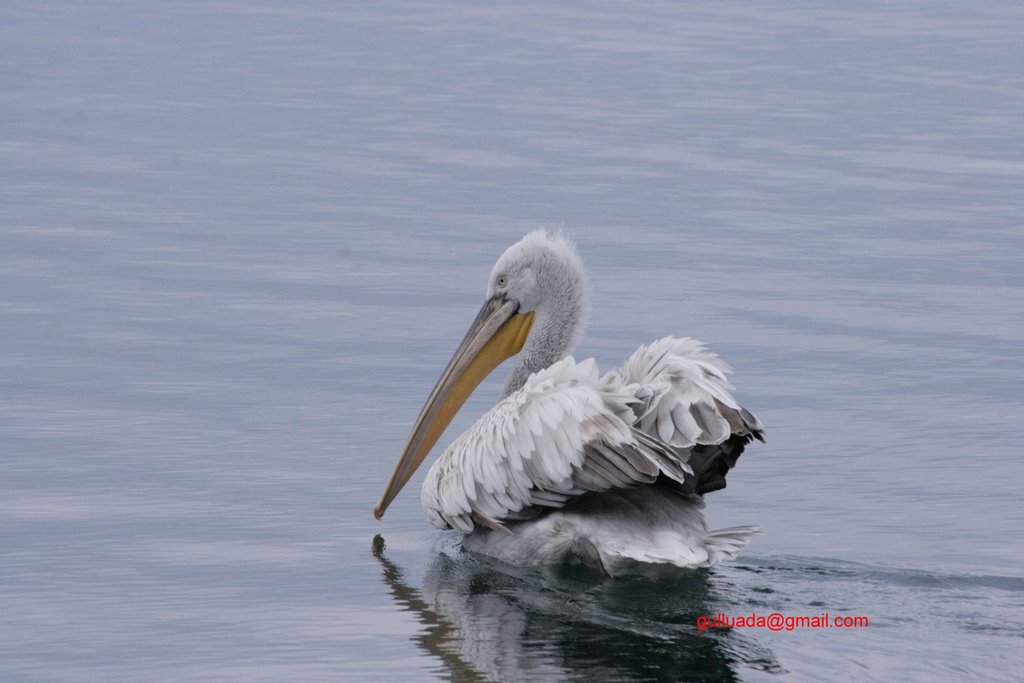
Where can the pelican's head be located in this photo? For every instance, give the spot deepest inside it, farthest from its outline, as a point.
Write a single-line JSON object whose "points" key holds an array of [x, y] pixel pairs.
{"points": [[543, 273], [537, 296]]}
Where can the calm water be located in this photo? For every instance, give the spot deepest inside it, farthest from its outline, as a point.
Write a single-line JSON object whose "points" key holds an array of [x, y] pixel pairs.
{"points": [[239, 241]]}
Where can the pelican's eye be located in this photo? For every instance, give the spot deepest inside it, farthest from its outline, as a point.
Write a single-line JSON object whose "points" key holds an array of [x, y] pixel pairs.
{"points": [[502, 281]]}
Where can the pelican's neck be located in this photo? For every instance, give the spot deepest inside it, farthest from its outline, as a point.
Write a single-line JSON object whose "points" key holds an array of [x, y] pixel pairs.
{"points": [[556, 328]]}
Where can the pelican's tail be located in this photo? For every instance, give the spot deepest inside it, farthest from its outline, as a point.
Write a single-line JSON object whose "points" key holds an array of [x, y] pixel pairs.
{"points": [[671, 548], [726, 544]]}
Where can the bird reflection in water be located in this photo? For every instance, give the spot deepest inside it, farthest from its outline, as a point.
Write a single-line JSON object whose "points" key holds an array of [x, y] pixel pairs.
{"points": [[487, 621]]}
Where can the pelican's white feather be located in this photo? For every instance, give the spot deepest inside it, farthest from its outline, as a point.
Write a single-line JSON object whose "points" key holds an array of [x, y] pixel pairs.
{"points": [[532, 442]]}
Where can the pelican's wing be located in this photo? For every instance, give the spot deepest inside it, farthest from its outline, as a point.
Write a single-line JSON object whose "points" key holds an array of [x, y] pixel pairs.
{"points": [[558, 437], [684, 397], [684, 400]]}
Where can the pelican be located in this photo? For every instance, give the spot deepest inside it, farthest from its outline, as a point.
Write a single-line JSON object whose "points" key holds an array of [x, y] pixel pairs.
{"points": [[569, 465]]}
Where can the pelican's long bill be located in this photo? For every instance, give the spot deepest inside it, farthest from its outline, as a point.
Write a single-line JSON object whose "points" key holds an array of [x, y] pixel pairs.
{"points": [[497, 333]]}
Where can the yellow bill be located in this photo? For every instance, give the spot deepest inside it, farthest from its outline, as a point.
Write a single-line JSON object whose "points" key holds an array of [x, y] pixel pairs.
{"points": [[498, 332]]}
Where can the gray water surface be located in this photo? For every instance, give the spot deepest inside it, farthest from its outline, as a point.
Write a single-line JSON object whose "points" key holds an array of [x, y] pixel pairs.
{"points": [[240, 240]]}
